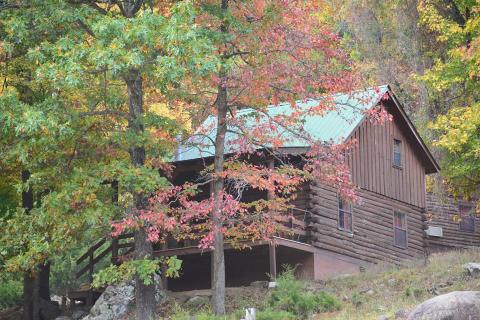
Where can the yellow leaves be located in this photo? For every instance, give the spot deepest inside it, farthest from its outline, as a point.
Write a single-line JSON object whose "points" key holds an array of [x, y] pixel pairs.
{"points": [[430, 17], [457, 127], [177, 113]]}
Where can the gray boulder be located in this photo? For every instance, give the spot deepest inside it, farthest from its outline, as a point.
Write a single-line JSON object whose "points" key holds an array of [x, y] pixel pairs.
{"points": [[457, 305], [118, 300], [79, 314], [473, 269], [114, 303]]}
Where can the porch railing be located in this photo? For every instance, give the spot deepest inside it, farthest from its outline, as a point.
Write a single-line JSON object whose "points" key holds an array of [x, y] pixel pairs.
{"points": [[295, 227]]}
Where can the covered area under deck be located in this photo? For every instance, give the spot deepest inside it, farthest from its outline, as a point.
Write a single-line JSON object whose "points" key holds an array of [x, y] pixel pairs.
{"points": [[260, 262]]}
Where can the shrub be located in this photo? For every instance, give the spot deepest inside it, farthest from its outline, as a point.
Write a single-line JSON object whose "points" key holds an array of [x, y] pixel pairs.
{"points": [[326, 302], [274, 315], [11, 291], [291, 296], [413, 292], [357, 299]]}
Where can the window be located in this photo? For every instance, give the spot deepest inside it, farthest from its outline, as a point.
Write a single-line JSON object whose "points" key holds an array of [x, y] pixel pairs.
{"points": [[344, 216], [400, 229], [397, 153], [467, 219]]}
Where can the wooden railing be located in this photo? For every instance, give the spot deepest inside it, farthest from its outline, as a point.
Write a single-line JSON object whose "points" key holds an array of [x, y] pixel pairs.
{"points": [[295, 227], [93, 257]]}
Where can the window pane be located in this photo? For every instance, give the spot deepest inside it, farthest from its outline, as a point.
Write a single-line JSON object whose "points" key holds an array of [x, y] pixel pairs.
{"points": [[396, 145], [467, 223], [344, 215], [397, 152], [399, 220], [341, 219], [397, 159], [400, 238], [348, 221]]}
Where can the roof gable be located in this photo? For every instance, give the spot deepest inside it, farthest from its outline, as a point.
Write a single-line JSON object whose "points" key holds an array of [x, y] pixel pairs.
{"points": [[336, 125]]}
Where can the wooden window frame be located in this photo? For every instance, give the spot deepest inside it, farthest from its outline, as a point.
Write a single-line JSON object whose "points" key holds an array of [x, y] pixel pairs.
{"points": [[400, 143], [469, 216], [344, 211], [404, 230]]}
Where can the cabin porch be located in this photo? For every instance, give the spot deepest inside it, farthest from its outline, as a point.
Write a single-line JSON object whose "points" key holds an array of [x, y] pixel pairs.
{"points": [[260, 262]]}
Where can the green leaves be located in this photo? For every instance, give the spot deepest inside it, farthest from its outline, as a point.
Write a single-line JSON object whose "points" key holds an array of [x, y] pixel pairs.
{"points": [[64, 115], [454, 80], [144, 268]]}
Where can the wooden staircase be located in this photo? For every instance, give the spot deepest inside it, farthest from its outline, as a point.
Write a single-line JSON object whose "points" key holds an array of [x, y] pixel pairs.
{"points": [[119, 247]]}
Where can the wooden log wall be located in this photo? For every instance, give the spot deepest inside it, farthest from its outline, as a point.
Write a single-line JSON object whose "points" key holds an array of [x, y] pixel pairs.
{"points": [[372, 238], [441, 211], [371, 163]]}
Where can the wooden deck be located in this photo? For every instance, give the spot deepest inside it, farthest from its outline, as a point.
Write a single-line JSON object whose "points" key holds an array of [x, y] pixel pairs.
{"points": [[276, 241], [295, 234]]}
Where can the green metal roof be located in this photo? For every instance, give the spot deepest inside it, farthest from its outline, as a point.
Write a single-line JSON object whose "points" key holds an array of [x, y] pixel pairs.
{"points": [[335, 125]]}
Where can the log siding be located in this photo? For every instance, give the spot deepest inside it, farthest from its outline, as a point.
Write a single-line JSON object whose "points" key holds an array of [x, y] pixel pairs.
{"points": [[372, 239], [442, 211]]}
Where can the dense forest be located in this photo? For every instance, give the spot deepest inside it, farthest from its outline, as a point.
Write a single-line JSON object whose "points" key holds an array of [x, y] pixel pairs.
{"points": [[96, 96]]}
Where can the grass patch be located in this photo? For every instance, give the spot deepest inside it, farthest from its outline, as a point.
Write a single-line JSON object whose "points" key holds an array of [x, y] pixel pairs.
{"points": [[387, 290]]}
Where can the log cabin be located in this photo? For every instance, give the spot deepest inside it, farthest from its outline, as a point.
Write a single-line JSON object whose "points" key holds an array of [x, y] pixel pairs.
{"points": [[452, 223], [388, 165]]}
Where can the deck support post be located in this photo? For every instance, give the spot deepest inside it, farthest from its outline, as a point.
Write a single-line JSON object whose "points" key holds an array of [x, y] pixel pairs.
{"points": [[115, 251], [272, 253], [89, 301], [164, 269]]}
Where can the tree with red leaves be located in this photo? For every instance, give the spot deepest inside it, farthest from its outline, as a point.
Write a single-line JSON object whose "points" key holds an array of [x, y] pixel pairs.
{"points": [[268, 51]]}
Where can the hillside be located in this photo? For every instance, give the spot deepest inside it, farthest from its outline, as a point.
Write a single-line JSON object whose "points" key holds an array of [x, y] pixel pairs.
{"points": [[369, 295], [384, 291]]}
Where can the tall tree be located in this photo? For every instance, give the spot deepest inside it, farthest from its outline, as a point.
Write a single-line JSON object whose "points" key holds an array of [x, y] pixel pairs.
{"points": [[268, 51], [455, 88], [99, 61]]}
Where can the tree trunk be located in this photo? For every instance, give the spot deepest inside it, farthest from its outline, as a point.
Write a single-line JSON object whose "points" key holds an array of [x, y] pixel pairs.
{"points": [[28, 280], [218, 254], [218, 257], [36, 284], [44, 281], [144, 294], [28, 283]]}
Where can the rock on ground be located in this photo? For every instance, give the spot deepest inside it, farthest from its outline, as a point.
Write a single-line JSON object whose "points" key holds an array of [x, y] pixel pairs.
{"points": [[118, 300], [196, 302], [79, 314], [473, 269], [457, 305]]}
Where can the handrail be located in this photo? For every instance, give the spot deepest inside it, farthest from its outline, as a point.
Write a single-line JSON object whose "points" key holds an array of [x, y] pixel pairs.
{"points": [[113, 248], [94, 247]]}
